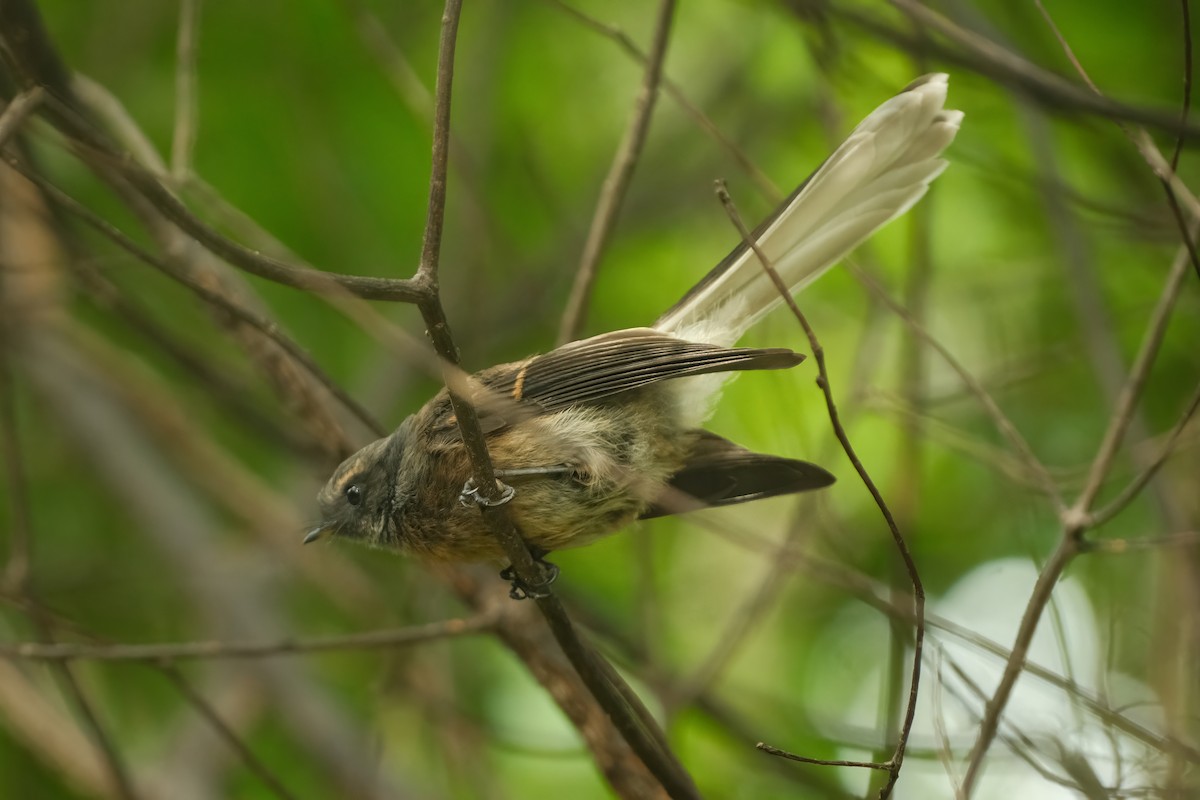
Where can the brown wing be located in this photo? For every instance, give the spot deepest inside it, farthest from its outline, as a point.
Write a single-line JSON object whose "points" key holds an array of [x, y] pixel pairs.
{"points": [[721, 473], [605, 365]]}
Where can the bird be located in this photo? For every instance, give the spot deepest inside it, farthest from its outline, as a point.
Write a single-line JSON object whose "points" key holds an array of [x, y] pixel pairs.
{"points": [[600, 432]]}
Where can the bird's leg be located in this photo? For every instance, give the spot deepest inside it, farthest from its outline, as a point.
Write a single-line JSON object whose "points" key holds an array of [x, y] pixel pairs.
{"points": [[470, 492], [519, 590]]}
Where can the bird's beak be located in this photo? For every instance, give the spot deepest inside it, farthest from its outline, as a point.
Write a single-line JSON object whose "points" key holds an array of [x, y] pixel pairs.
{"points": [[315, 534]]}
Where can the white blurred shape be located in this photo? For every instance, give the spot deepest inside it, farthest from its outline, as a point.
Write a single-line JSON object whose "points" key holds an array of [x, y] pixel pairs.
{"points": [[1047, 723]]}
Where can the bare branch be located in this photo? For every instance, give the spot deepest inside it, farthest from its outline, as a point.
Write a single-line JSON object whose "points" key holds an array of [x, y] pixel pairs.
{"points": [[1076, 519], [1135, 487], [616, 184], [227, 734], [675, 92], [221, 649], [1003, 424], [219, 301], [982, 55], [1174, 188], [897, 760], [624, 710], [183, 140], [17, 111], [775, 751]]}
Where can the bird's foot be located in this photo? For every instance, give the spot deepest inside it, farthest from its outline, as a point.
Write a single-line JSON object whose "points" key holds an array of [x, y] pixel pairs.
{"points": [[470, 495], [520, 590]]}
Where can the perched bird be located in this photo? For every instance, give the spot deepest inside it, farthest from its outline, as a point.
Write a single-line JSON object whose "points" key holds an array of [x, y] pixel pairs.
{"points": [[602, 431]]}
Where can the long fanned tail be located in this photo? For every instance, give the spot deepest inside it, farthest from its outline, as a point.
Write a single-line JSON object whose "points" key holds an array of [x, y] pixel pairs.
{"points": [[877, 174]]}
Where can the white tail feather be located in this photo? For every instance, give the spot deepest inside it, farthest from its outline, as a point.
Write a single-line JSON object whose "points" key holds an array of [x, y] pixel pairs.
{"points": [[878, 173]]}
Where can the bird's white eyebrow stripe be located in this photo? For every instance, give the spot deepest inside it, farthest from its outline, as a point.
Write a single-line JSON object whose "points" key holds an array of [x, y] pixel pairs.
{"points": [[351, 476]]}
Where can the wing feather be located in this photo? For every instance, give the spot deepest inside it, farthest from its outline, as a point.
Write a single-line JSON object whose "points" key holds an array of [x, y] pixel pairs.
{"points": [[602, 366]]}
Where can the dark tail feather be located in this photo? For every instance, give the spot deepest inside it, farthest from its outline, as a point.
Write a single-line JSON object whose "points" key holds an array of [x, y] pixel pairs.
{"points": [[721, 473]]}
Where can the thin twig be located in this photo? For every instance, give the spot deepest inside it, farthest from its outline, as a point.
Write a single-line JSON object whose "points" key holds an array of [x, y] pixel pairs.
{"points": [[775, 751], [1135, 487], [875, 595], [521, 627], [183, 139], [616, 183], [1068, 547], [17, 111], [431, 239], [1118, 547], [1168, 186], [897, 760], [242, 314], [18, 571], [1076, 519], [1131, 393], [1003, 424], [1185, 107], [986, 57], [99, 732], [625, 711], [907, 491], [227, 734], [938, 718], [1172, 186], [221, 649], [675, 92], [436, 325], [96, 151]]}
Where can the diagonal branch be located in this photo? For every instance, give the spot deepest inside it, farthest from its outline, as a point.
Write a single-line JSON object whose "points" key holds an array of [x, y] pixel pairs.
{"points": [[1076, 520], [1033, 465], [18, 110], [897, 760], [616, 184], [226, 733], [981, 54], [635, 724]]}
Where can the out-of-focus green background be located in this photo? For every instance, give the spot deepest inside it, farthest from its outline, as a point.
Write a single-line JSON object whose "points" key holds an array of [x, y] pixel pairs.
{"points": [[1038, 258]]}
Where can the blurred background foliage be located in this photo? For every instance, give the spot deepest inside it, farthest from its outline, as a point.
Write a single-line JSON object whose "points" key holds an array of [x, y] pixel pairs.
{"points": [[1037, 259]]}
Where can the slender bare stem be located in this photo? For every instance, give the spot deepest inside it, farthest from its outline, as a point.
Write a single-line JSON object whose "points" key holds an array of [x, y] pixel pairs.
{"points": [[1135, 487], [17, 111], [625, 711], [775, 751], [616, 184], [242, 314], [1003, 424], [93, 148], [1076, 519], [18, 572], [1172, 186], [222, 649], [897, 760], [981, 54], [675, 92], [227, 734], [183, 139]]}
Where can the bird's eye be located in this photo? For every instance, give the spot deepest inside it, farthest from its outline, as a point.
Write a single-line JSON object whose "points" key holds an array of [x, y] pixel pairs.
{"points": [[354, 494]]}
